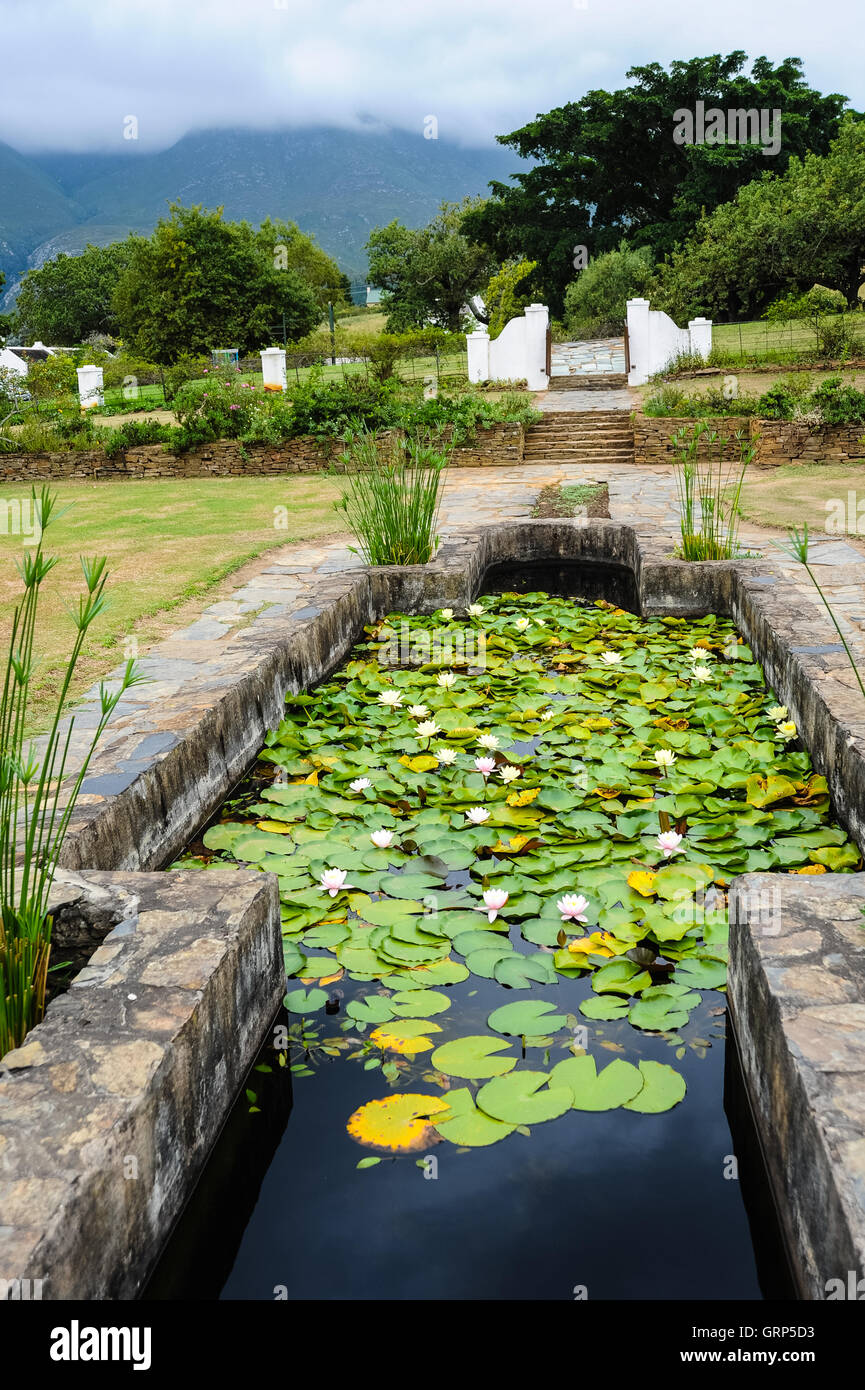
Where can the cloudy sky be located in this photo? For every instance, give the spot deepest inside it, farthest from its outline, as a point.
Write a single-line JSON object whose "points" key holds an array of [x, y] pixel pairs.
{"points": [[71, 73]]}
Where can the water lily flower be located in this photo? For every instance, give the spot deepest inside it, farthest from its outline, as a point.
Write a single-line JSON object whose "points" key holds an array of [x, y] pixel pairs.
{"points": [[700, 654], [573, 906], [445, 756], [508, 773], [428, 729], [477, 815], [333, 881], [360, 784], [521, 624], [485, 766], [669, 841], [447, 613], [611, 658], [391, 698], [382, 839], [787, 730], [664, 757], [489, 741], [418, 711], [446, 679], [702, 674], [475, 610], [546, 714], [494, 901], [778, 713]]}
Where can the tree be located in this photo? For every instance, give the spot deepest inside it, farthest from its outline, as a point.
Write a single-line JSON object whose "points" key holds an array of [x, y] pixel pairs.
{"points": [[596, 302], [608, 166], [428, 275], [70, 297], [291, 249], [198, 282], [503, 300], [778, 236]]}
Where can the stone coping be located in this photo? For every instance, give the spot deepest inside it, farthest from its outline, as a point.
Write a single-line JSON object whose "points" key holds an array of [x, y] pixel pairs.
{"points": [[110, 1108], [180, 755]]}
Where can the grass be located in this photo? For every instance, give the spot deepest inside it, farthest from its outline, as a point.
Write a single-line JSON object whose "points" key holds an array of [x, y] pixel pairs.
{"points": [[758, 335], [796, 495], [169, 545]]}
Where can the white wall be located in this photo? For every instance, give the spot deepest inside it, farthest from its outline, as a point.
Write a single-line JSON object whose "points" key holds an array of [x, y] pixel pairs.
{"points": [[13, 362], [654, 340], [518, 353]]}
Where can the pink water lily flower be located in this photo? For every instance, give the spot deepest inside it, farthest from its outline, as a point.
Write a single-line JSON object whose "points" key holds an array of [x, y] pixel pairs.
{"points": [[333, 881], [494, 901], [382, 839], [669, 841], [573, 906], [485, 766]]}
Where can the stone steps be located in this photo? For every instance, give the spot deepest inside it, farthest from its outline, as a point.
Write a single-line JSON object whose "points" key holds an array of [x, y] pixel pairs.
{"points": [[589, 381], [581, 437]]}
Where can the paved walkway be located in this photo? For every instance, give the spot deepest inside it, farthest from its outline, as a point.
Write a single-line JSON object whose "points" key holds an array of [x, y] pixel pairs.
{"points": [[552, 402], [588, 358]]}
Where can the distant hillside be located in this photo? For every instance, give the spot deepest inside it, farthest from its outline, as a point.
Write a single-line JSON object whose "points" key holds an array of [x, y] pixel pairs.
{"points": [[336, 184]]}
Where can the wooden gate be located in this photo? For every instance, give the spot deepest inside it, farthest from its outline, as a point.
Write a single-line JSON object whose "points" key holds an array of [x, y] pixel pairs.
{"points": [[548, 366], [627, 351]]}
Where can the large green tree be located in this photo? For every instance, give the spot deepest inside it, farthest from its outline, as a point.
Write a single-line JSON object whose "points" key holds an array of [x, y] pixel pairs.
{"points": [[199, 282], [427, 275], [71, 296], [608, 167], [780, 234], [291, 249]]}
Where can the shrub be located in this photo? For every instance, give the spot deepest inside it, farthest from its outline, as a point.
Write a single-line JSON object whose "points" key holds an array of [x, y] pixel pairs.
{"points": [[219, 408], [776, 404], [839, 404], [132, 433], [596, 300]]}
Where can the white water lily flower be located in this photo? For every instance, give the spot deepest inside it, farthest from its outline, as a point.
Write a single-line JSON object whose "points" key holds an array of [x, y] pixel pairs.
{"points": [[669, 841], [333, 881], [428, 729], [360, 784], [494, 901], [508, 773], [391, 698], [611, 658], [787, 730], [702, 674], [521, 624], [475, 610], [382, 839], [445, 756], [664, 757], [778, 713], [447, 613], [477, 815], [446, 679], [488, 741], [485, 766], [418, 711], [546, 714], [573, 906], [700, 654]]}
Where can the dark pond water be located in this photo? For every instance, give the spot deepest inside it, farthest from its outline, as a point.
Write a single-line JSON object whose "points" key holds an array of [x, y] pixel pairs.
{"points": [[620, 1205]]}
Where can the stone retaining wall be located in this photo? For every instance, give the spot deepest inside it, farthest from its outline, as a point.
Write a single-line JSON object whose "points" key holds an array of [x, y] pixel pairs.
{"points": [[501, 444], [779, 441]]}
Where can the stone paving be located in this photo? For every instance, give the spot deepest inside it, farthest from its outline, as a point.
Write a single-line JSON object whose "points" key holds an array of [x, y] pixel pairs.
{"points": [[617, 398], [588, 358]]}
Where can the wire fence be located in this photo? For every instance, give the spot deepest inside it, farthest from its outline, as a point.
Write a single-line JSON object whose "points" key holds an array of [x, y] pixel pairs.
{"points": [[761, 338]]}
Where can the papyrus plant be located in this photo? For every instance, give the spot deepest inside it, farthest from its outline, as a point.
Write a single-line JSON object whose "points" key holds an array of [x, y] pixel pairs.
{"points": [[37, 797], [392, 497]]}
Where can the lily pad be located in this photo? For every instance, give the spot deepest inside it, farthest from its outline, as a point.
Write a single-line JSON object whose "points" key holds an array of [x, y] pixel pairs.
{"points": [[473, 1058], [663, 1087], [526, 1018], [302, 1001], [616, 1084], [464, 1124], [524, 1098]]}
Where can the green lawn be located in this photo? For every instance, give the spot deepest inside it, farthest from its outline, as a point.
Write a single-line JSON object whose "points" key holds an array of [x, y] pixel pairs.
{"points": [[795, 494], [169, 546], [760, 336]]}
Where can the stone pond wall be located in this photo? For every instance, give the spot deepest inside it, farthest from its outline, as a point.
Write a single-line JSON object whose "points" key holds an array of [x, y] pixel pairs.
{"points": [[500, 444], [780, 441]]}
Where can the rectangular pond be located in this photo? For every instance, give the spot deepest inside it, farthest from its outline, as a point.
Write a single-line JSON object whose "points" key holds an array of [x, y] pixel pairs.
{"points": [[503, 839]]}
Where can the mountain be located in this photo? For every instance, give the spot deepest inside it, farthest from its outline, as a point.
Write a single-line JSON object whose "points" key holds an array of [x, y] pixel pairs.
{"points": [[336, 184]]}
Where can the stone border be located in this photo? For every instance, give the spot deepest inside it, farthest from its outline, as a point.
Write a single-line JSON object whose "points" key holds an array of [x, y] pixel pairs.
{"points": [[153, 805], [778, 441]]}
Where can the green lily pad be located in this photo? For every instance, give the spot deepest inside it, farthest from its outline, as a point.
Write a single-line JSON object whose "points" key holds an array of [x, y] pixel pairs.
{"points": [[526, 1018], [302, 1001], [468, 1126], [473, 1057], [607, 1007], [419, 1003], [663, 1087], [524, 1098], [616, 1084]]}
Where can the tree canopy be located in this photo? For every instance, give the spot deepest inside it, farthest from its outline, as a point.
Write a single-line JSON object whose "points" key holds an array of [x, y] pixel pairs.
{"points": [[607, 166], [70, 297], [779, 235], [427, 275], [198, 282]]}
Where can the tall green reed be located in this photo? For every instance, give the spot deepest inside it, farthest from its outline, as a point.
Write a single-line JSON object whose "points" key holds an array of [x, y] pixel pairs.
{"points": [[37, 798], [709, 484], [392, 497]]}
